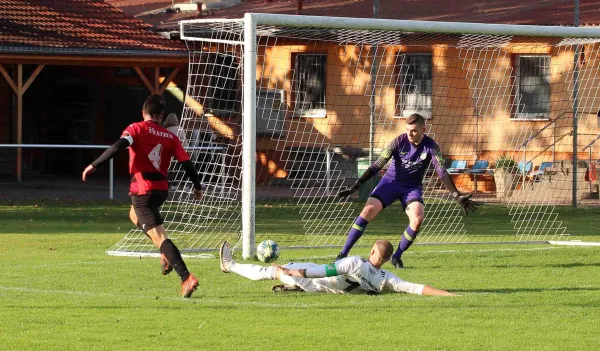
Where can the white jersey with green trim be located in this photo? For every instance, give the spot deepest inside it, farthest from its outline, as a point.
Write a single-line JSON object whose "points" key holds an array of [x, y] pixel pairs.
{"points": [[357, 275]]}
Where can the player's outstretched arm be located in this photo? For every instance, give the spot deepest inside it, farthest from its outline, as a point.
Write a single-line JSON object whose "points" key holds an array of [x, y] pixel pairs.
{"points": [[121, 144], [190, 171], [431, 291], [383, 159], [395, 284], [369, 173], [463, 200]]}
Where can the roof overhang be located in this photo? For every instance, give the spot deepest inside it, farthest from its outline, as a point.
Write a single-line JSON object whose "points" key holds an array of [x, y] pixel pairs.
{"points": [[92, 57]]}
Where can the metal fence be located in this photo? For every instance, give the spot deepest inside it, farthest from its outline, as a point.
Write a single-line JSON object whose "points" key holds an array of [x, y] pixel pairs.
{"points": [[67, 146]]}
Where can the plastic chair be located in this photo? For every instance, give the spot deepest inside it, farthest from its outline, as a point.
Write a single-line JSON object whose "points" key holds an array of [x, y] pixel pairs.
{"points": [[457, 166], [535, 175], [480, 167], [525, 167]]}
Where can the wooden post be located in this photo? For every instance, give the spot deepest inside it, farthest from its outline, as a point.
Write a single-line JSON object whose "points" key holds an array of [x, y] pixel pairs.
{"points": [[19, 119], [168, 80], [144, 79], [156, 82], [20, 89], [157, 87]]}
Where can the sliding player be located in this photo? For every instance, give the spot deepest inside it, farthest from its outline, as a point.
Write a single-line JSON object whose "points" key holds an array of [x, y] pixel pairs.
{"points": [[151, 148], [346, 276], [411, 154]]}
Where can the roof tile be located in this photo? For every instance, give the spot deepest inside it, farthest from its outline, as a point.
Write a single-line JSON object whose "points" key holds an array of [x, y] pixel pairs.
{"points": [[76, 24], [555, 12]]}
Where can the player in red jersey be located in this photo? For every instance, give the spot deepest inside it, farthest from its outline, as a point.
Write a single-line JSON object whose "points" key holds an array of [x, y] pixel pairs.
{"points": [[151, 148]]}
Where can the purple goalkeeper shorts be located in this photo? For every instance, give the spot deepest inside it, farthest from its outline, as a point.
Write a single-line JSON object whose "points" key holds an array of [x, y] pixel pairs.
{"points": [[388, 191]]}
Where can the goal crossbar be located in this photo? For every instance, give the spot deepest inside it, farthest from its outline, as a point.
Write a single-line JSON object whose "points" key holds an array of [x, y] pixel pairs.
{"points": [[323, 22]]}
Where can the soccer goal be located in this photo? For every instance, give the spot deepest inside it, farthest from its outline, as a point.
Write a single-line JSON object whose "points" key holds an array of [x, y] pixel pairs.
{"points": [[282, 112]]}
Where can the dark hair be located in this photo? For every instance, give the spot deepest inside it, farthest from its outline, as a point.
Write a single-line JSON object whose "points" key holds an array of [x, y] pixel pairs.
{"points": [[154, 105], [415, 118]]}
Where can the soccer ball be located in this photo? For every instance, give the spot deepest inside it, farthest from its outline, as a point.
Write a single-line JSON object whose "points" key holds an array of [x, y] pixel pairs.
{"points": [[267, 251]]}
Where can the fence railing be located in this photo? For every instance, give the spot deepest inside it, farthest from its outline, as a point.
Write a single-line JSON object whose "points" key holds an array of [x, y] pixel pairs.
{"points": [[67, 146]]}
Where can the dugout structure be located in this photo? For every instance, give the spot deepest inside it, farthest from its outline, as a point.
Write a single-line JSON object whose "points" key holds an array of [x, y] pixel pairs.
{"points": [[284, 111]]}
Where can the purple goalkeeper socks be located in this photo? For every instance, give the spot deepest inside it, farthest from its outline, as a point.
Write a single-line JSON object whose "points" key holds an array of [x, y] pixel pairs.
{"points": [[408, 237], [359, 226]]}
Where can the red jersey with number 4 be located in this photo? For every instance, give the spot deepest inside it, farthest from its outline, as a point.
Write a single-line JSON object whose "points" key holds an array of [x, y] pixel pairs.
{"points": [[150, 155]]}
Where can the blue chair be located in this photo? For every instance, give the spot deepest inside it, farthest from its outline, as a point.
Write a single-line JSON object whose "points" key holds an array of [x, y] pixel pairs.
{"points": [[535, 175], [480, 167], [524, 167], [457, 166]]}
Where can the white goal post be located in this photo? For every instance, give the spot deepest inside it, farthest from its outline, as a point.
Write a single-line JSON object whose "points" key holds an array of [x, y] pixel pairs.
{"points": [[304, 103]]}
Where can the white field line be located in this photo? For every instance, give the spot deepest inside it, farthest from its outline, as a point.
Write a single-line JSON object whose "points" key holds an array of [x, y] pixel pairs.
{"points": [[574, 243]]}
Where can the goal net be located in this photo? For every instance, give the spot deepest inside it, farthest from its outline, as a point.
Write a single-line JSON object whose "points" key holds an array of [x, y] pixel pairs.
{"points": [[282, 112]]}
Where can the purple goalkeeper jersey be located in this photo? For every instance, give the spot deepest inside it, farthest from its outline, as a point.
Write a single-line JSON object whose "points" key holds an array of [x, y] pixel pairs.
{"points": [[409, 162]]}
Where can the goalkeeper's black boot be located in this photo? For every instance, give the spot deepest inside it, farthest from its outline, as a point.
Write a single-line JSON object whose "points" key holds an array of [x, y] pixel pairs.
{"points": [[397, 262], [340, 256]]}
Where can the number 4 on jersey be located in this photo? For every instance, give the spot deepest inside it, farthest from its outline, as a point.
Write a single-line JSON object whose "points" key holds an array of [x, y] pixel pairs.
{"points": [[154, 156]]}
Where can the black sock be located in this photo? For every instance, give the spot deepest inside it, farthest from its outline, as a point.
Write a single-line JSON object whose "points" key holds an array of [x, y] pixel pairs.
{"points": [[173, 255]]}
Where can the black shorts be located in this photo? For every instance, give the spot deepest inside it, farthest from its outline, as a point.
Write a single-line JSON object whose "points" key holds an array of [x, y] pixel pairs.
{"points": [[147, 208]]}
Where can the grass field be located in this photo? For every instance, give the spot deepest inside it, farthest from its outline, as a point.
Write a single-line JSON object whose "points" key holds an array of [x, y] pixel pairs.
{"points": [[59, 291]]}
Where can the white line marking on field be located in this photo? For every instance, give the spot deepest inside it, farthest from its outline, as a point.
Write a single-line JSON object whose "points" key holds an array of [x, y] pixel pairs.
{"points": [[574, 243]]}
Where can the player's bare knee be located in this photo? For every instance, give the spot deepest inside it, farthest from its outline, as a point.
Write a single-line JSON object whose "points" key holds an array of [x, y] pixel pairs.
{"points": [[370, 211], [416, 221]]}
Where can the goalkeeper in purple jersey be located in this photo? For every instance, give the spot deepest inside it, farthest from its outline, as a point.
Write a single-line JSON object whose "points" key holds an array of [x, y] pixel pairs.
{"points": [[411, 153]]}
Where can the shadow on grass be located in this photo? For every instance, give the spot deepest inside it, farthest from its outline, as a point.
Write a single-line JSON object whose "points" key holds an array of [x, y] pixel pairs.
{"points": [[524, 290], [561, 265]]}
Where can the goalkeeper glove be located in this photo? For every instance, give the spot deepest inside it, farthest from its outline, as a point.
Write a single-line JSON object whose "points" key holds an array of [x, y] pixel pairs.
{"points": [[466, 203], [349, 190]]}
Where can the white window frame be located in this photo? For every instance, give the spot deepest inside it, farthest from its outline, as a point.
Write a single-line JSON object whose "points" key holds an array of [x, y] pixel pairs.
{"points": [[405, 112], [315, 112], [529, 116]]}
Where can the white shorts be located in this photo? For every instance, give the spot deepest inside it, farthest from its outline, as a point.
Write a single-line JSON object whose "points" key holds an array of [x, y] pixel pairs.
{"points": [[311, 285]]}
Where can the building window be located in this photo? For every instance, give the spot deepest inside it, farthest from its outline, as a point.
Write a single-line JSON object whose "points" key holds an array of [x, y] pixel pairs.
{"points": [[309, 100], [413, 95], [270, 112], [533, 87], [222, 92]]}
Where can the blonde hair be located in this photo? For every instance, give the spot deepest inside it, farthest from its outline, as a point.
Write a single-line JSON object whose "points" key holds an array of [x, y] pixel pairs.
{"points": [[171, 120]]}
